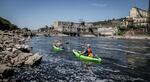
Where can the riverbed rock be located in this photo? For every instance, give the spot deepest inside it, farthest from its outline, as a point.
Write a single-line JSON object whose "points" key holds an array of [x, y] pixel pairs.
{"points": [[33, 60]]}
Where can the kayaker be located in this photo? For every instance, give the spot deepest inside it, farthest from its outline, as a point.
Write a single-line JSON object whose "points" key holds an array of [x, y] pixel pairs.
{"points": [[59, 44], [88, 51]]}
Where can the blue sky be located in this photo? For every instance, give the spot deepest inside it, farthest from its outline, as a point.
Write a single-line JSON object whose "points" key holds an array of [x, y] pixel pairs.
{"points": [[38, 13]]}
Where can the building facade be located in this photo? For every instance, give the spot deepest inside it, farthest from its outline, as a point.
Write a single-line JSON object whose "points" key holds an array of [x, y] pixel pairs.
{"points": [[137, 17], [110, 31], [64, 26]]}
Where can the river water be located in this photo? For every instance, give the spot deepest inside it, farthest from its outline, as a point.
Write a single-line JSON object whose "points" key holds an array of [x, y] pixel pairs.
{"points": [[122, 61]]}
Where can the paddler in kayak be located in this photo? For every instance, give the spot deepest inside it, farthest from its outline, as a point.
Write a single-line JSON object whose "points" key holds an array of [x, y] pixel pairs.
{"points": [[59, 44], [88, 51]]}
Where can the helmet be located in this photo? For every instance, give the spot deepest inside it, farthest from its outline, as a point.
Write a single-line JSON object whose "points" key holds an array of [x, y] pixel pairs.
{"points": [[88, 45]]}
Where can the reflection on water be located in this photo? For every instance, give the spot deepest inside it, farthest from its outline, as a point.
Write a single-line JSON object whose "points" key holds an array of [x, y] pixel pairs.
{"points": [[122, 60]]}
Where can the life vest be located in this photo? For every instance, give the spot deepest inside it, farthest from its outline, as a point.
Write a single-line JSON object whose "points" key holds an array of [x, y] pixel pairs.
{"points": [[90, 54], [89, 50]]}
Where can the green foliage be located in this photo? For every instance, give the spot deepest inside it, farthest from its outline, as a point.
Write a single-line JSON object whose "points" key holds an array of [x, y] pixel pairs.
{"points": [[4, 21], [121, 30], [6, 25], [1, 31], [139, 26], [26, 29]]}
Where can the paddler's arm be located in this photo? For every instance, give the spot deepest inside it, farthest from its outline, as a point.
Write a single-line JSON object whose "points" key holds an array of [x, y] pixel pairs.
{"points": [[85, 50]]}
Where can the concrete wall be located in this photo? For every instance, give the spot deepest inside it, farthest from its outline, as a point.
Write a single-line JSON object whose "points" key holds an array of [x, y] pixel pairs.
{"points": [[135, 13], [107, 31]]}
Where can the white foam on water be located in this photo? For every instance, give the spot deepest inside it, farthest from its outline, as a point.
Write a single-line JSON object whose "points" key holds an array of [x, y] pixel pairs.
{"points": [[115, 49], [121, 65], [111, 70]]}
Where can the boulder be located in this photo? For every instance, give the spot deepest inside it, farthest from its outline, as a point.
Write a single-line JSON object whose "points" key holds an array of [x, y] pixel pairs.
{"points": [[1, 57], [23, 48], [1, 41], [21, 41], [5, 38], [18, 46], [6, 71], [6, 57], [8, 41], [8, 44], [24, 56], [11, 45], [20, 59], [16, 39], [14, 52], [14, 49], [10, 54], [33, 60], [1, 47], [8, 49]]}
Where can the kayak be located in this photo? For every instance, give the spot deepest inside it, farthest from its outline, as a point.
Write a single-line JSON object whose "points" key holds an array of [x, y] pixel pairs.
{"points": [[86, 58], [57, 49]]}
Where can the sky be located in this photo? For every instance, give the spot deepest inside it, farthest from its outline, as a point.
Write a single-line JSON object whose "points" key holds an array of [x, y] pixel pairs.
{"points": [[38, 13]]}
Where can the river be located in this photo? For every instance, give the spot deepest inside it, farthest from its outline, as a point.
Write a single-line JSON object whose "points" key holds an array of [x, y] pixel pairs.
{"points": [[122, 61]]}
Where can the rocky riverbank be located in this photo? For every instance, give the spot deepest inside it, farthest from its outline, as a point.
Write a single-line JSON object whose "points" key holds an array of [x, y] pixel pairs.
{"points": [[15, 53], [131, 37]]}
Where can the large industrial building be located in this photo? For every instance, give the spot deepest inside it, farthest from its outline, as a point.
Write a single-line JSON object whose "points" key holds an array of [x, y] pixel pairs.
{"points": [[67, 26], [137, 17]]}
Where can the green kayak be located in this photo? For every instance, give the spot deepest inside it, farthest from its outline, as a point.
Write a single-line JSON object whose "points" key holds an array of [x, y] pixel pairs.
{"points": [[57, 49], [85, 58]]}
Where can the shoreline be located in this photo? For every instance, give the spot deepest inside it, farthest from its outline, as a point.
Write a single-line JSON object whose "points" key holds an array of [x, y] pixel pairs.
{"points": [[131, 37], [114, 37], [139, 37]]}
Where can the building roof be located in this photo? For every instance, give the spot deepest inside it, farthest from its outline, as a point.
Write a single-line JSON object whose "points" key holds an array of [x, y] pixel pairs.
{"points": [[140, 9]]}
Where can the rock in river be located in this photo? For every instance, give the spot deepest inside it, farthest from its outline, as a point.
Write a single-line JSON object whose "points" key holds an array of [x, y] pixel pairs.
{"points": [[34, 60]]}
